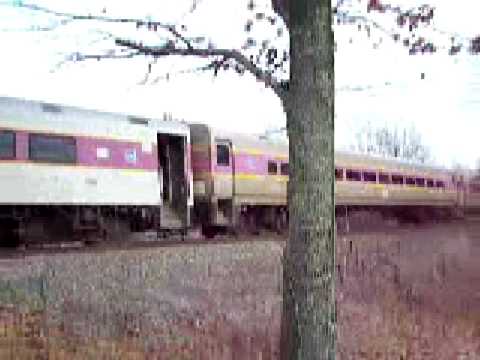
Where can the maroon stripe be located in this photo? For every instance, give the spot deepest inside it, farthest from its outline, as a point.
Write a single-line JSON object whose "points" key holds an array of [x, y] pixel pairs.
{"points": [[87, 152], [253, 164], [201, 161], [244, 163], [200, 165]]}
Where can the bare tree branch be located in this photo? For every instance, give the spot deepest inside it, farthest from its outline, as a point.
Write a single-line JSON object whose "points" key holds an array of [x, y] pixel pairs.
{"points": [[109, 55], [35, 28], [77, 57], [149, 71], [242, 61], [281, 7], [280, 88], [209, 66], [194, 7], [139, 22]]}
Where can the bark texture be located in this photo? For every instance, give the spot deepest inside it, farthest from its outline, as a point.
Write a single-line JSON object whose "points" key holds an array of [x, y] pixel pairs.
{"points": [[309, 313]]}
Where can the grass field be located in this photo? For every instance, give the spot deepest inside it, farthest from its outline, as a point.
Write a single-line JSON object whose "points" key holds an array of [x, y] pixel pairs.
{"points": [[403, 295]]}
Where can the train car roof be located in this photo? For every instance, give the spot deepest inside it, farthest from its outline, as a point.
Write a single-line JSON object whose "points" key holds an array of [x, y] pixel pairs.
{"points": [[15, 107]]}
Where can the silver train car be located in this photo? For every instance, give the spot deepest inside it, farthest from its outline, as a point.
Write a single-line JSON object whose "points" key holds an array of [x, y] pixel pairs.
{"points": [[240, 181], [68, 173], [72, 172]]}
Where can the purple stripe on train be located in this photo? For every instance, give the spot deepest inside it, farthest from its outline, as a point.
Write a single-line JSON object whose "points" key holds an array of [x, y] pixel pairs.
{"points": [[252, 164], [120, 154], [244, 163]]}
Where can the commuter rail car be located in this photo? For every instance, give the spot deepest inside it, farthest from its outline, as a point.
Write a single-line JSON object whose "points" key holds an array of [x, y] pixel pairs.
{"points": [[69, 171], [240, 181]]}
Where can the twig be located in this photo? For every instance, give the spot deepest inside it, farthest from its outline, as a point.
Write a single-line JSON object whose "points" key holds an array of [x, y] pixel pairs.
{"points": [[138, 22]]}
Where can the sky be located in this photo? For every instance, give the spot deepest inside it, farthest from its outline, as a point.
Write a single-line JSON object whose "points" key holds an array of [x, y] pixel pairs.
{"points": [[377, 86]]}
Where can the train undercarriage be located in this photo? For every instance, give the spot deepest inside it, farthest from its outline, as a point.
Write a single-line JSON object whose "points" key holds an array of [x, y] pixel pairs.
{"points": [[222, 218], [24, 225], [253, 220]]}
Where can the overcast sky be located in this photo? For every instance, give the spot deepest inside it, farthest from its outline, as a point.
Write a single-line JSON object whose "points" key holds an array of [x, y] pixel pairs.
{"points": [[381, 86]]}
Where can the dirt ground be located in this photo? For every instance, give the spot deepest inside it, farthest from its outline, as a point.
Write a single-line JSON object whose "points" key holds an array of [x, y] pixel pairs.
{"points": [[402, 294]]}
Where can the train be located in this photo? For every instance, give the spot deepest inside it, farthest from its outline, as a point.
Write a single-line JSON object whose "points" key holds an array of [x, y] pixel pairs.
{"points": [[241, 181], [68, 172]]}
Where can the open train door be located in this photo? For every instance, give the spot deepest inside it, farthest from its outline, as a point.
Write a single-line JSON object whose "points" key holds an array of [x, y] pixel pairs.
{"points": [[173, 180]]}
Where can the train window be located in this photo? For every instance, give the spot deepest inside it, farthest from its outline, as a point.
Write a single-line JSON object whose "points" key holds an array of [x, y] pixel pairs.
{"points": [[339, 174], [430, 183], [369, 176], [353, 175], [397, 179], [284, 169], [420, 182], [440, 184], [383, 178], [272, 168], [223, 155], [7, 145], [50, 148], [410, 180]]}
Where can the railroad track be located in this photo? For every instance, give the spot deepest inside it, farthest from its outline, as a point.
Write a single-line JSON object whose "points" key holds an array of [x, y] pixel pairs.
{"points": [[63, 247], [150, 240]]}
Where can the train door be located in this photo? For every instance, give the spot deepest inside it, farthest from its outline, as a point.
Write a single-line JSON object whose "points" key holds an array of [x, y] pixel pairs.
{"points": [[224, 182], [173, 181], [164, 168], [224, 169]]}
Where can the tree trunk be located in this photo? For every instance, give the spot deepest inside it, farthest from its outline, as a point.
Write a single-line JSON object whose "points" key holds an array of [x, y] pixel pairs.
{"points": [[309, 314]]}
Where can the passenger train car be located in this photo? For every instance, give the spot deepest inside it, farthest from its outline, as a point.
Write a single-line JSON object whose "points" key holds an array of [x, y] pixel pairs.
{"points": [[67, 172], [70, 170], [241, 181]]}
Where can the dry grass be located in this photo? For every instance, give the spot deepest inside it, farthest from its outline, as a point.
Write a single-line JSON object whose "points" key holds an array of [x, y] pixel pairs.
{"points": [[395, 301], [392, 331], [401, 301], [22, 336]]}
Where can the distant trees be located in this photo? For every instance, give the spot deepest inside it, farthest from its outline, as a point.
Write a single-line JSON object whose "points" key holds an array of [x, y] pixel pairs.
{"points": [[398, 143]]}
